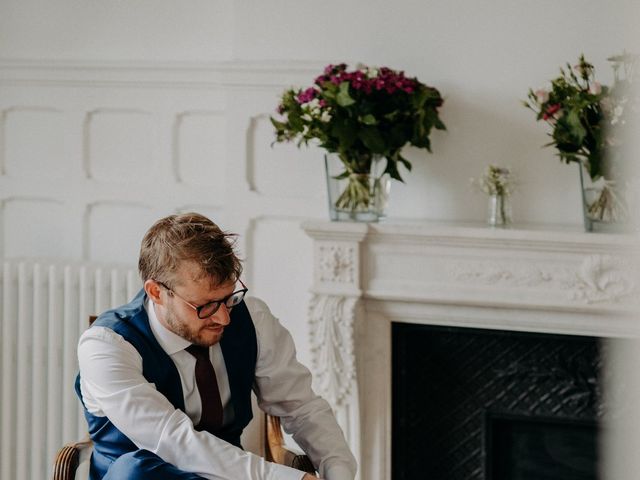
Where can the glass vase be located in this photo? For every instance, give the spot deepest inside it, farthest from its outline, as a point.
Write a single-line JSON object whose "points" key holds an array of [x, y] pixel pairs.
{"points": [[356, 197], [499, 212], [604, 204]]}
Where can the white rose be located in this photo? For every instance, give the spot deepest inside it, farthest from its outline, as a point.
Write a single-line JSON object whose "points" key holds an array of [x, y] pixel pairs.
{"points": [[325, 117]]}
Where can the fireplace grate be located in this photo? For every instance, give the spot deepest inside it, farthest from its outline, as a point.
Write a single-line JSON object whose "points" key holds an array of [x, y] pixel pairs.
{"points": [[448, 381]]}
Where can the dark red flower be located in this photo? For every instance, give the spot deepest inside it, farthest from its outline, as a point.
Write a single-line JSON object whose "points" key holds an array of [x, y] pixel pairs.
{"points": [[306, 96], [550, 111]]}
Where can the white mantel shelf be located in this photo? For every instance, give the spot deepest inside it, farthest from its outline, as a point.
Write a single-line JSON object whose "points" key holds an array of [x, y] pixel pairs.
{"points": [[536, 278], [474, 232], [538, 267]]}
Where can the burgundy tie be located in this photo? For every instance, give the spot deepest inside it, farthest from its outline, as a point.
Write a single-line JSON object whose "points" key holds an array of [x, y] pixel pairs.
{"points": [[211, 418]]}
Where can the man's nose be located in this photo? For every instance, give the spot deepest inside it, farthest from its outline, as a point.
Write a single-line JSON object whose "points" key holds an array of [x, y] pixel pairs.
{"points": [[222, 316]]}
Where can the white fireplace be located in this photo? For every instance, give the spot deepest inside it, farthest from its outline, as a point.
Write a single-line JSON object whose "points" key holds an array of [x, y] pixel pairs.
{"points": [[535, 278]]}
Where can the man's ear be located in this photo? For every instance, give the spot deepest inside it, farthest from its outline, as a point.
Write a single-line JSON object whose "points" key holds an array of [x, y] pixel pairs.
{"points": [[152, 288]]}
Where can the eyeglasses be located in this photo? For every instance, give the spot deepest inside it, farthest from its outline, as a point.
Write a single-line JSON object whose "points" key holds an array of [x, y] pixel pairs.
{"points": [[208, 309]]}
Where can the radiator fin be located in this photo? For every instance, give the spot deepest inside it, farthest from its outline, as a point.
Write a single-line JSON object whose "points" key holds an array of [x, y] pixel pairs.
{"points": [[45, 308]]}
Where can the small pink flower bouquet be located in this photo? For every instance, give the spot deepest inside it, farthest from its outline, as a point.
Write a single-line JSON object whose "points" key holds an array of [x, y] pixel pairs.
{"points": [[573, 109], [581, 112], [588, 121]]}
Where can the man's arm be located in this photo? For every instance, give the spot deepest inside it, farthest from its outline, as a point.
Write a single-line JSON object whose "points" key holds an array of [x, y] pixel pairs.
{"points": [[113, 386], [283, 388]]}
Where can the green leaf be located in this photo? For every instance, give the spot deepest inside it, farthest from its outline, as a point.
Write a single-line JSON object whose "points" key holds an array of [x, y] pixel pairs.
{"points": [[342, 176], [405, 162], [369, 120], [277, 125], [343, 98], [372, 140], [345, 131], [575, 125], [392, 170]]}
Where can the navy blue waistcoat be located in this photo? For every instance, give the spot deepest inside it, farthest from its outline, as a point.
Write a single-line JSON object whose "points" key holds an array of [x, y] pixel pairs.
{"points": [[239, 349]]}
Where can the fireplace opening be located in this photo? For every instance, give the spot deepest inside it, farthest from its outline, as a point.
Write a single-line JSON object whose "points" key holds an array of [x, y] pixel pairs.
{"points": [[528, 448], [475, 404]]}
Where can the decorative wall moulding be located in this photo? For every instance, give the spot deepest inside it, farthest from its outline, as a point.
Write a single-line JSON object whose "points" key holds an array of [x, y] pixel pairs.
{"points": [[198, 146], [157, 74], [25, 154], [117, 144]]}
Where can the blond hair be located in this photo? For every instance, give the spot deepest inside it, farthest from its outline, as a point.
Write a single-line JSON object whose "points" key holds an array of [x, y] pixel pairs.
{"points": [[188, 237]]}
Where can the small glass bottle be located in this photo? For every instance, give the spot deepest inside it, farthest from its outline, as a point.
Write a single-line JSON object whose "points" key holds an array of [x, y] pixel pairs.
{"points": [[499, 210]]}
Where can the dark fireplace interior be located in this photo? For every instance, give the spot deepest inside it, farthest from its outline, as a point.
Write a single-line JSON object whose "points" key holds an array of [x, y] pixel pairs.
{"points": [[494, 405]]}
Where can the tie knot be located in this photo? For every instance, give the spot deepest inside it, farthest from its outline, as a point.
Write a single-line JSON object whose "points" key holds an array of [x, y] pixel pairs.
{"points": [[201, 353]]}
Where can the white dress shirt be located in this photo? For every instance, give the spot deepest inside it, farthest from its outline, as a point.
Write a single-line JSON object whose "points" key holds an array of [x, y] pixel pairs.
{"points": [[112, 385]]}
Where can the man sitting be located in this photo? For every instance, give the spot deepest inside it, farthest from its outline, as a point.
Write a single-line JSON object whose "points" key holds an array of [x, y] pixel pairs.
{"points": [[166, 379]]}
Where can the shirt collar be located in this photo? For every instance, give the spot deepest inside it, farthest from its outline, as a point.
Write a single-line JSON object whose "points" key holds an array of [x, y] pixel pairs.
{"points": [[169, 341]]}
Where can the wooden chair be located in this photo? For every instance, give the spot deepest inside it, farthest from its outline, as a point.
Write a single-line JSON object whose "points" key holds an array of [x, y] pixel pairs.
{"points": [[71, 455], [278, 452]]}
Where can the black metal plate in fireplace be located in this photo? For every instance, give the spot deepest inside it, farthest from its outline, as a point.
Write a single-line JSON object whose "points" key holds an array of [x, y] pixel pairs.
{"points": [[446, 381], [532, 448]]}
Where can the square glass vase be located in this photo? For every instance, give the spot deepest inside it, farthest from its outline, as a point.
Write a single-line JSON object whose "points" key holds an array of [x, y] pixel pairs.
{"points": [[356, 196], [605, 204]]}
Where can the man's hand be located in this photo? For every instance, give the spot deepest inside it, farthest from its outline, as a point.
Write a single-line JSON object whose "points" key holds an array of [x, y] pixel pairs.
{"points": [[308, 476]]}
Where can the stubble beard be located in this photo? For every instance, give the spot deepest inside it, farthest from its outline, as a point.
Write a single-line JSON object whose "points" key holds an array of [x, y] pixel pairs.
{"points": [[182, 329]]}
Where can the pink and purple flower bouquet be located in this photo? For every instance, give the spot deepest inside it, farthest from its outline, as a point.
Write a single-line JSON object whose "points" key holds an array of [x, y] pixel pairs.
{"points": [[361, 114]]}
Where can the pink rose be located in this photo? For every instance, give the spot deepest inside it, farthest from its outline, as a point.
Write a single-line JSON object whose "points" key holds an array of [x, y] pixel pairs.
{"points": [[542, 95]]}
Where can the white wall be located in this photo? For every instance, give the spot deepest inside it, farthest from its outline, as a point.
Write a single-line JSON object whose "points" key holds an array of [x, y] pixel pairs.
{"points": [[113, 114]]}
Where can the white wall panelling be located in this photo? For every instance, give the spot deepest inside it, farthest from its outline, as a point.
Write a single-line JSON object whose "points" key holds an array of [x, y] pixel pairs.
{"points": [[200, 149], [137, 144], [39, 226], [278, 265], [34, 144], [123, 223], [118, 145], [269, 167]]}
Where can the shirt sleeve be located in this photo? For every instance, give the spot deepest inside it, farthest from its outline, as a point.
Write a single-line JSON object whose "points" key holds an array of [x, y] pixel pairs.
{"points": [[283, 389], [112, 385]]}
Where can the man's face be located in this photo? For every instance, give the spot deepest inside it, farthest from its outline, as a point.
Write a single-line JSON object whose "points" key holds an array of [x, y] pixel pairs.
{"points": [[182, 319]]}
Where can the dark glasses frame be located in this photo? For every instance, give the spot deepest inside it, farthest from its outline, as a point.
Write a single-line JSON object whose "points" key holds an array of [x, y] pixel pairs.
{"points": [[210, 308]]}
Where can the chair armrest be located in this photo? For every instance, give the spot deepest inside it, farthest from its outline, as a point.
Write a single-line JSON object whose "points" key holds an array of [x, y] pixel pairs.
{"points": [[277, 452], [298, 461], [68, 459]]}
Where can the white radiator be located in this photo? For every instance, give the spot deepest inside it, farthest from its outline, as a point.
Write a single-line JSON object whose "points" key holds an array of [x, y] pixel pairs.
{"points": [[44, 306]]}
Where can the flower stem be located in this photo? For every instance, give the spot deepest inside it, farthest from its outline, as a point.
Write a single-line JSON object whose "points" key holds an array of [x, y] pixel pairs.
{"points": [[356, 196]]}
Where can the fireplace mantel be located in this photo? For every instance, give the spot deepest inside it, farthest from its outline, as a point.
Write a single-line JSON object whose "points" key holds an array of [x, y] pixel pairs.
{"points": [[536, 278]]}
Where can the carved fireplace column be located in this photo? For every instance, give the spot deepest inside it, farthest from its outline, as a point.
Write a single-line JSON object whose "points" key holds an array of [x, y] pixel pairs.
{"points": [[332, 317]]}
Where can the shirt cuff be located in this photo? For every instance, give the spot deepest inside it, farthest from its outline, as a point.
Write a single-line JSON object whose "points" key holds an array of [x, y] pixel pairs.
{"points": [[338, 471], [282, 472]]}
